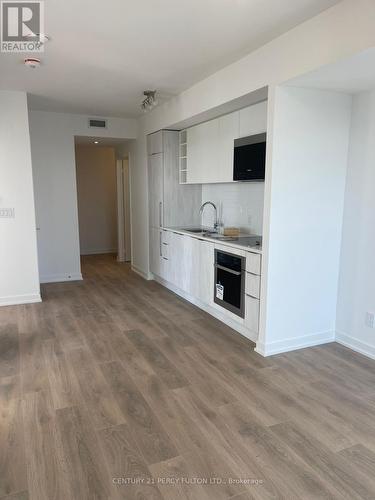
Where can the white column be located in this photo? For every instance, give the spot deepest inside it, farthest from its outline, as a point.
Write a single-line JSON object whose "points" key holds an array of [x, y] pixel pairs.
{"points": [[19, 278]]}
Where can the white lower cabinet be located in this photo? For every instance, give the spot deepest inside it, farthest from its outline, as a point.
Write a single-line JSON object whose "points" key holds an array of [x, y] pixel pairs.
{"points": [[187, 263], [159, 253], [165, 264], [253, 263], [191, 263], [176, 260], [252, 285], [251, 313], [206, 272], [198, 264]]}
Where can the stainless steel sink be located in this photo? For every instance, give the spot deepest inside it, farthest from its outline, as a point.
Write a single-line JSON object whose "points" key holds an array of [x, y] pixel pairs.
{"points": [[195, 230], [200, 230], [221, 237], [209, 234]]}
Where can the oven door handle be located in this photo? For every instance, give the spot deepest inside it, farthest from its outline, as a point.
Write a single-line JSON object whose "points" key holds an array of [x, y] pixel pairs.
{"points": [[236, 273]]}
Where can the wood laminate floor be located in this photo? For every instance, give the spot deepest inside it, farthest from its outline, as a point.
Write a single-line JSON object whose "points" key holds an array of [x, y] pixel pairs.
{"points": [[115, 388]]}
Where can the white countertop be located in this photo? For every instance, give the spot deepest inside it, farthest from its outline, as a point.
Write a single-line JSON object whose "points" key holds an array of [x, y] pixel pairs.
{"points": [[229, 243]]}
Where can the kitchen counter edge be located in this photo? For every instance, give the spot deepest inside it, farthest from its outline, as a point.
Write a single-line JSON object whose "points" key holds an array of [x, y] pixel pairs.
{"points": [[255, 249]]}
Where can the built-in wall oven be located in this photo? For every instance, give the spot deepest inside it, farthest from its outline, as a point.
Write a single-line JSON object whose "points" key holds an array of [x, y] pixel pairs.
{"points": [[229, 291]]}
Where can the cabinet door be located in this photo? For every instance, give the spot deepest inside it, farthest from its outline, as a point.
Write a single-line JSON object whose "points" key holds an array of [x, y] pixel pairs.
{"points": [[252, 313], [253, 263], [165, 263], [193, 266], [175, 249], [203, 152], [252, 285], [186, 264], [206, 272], [229, 129], [155, 189], [253, 120], [155, 250], [155, 143]]}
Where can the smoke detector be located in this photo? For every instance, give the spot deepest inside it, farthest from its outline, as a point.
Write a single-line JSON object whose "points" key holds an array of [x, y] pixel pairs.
{"points": [[32, 62]]}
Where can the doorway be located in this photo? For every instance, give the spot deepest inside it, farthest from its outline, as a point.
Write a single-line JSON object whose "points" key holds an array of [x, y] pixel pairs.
{"points": [[103, 198]]}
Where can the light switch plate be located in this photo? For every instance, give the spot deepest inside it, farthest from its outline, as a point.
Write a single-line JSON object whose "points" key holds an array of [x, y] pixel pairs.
{"points": [[7, 213], [370, 319]]}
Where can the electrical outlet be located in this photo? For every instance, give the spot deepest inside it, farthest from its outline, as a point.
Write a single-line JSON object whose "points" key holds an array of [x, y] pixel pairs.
{"points": [[370, 319], [7, 213]]}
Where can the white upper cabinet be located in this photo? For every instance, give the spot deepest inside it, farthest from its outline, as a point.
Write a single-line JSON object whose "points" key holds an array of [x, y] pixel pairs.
{"points": [[229, 129], [210, 145], [203, 152], [155, 143], [253, 120], [210, 150]]}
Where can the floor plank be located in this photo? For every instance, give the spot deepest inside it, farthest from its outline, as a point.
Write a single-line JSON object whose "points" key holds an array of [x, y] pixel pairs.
{"points": [[9, 350], [130, 476], [166, 370], [13, 476], [149, 434], [88, 477], [45, 471]]}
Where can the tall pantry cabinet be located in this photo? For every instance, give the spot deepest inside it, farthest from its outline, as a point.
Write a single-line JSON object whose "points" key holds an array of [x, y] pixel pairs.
{"points": [[171, 204]]}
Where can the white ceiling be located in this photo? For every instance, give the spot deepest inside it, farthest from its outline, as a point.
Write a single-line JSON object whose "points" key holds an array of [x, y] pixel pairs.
{"points": [[351, 75], [103, 54]]}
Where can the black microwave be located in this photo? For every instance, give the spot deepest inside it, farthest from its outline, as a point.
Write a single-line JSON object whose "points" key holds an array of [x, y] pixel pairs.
{"points": [[249, 160]]}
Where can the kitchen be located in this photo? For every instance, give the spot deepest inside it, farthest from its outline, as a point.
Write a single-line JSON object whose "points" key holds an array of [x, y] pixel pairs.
{"points": [[206, 214]]}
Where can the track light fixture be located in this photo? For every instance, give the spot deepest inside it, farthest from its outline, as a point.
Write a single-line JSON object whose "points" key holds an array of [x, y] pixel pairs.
{"points": [[149, 101]]}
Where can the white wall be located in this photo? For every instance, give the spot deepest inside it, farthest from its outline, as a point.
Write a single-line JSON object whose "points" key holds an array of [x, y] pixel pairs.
{"points": [[19, 281], [357, 271], [239, 204], [52, 148], [307, 181], [139, 206], [97, 199], [336, 33]]}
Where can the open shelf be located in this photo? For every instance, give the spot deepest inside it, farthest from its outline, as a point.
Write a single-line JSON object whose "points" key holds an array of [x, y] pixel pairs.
{"points": [[183, 157]]}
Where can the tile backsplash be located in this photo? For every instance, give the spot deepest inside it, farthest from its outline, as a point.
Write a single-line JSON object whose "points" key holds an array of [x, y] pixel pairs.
{"points": [[239, 204]]}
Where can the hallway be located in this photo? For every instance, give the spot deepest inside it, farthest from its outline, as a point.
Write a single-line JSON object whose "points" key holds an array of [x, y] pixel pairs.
{"points": [[114, 387]]}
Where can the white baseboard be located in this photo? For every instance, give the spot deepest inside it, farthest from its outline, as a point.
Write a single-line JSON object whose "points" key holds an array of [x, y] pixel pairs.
{"points": [[123, 260], [357, 345], [210, 310], [14, 300], [146, 276], [57, 278], [98, 251], [294, 343]]}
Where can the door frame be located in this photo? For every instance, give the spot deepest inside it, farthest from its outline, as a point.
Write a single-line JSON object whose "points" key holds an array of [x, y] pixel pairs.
{"points": [[123, 210]]}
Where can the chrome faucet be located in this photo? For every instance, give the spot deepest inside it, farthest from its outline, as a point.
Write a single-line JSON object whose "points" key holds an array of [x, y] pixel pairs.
{"points": [[201, 210]]}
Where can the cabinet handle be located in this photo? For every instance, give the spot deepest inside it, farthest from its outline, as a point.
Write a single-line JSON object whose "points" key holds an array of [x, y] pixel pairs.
{"points": [[160, 251], [160, 214], [226, 269]]}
